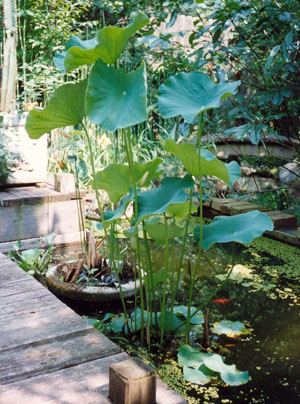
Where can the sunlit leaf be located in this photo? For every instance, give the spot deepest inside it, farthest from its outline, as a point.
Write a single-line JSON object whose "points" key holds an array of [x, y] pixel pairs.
{"points": [[75, 41], [157, 231], [116, 180], [188, 155], [230, 328], [116, 324], [66, 107], [50, 238], [111, 41], [233, 167], [188, 94], [180, 210], [239, 273], [116, 99], [242, 228], [30, 256]]}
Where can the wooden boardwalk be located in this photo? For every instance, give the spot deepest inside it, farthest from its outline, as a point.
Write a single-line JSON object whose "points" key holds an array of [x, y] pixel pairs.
{"points": [[48, 353]]}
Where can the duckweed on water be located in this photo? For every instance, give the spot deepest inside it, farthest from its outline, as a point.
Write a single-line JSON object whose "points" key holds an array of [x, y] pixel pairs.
{"points": [[274, 258], [171, 373]]}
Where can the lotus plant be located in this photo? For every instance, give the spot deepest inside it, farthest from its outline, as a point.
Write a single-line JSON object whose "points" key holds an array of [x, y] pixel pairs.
{"points": [[116, 99]]}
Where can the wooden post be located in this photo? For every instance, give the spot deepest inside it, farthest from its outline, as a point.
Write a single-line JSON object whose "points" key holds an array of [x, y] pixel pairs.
{"points": [[132, 382], [64, 183]]}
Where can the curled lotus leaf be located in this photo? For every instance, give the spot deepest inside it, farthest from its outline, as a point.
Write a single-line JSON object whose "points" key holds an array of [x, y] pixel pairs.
{"points": [[65, 108], [76, 42], [157, 201], [188, 155], [241, 228], [108, 44]]}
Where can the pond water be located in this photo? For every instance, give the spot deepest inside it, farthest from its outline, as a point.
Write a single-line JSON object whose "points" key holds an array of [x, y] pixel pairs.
{"points": [[259, 295]]}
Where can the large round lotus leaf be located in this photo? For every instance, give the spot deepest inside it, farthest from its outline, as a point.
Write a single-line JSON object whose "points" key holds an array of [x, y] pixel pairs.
{"points": [[191, 357], [230, 328], [188, 94], [114, 98], [229, 374], [242, 228], [111, 41], [66, 107], [170, 191], [196, 376]]}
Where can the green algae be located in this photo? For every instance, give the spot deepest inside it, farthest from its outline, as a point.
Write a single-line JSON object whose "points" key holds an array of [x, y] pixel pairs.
{"points": [[274, 258], [171, 373]]}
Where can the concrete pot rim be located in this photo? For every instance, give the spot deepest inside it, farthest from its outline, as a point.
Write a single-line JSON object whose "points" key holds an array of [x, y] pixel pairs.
{"points": [[87, 294]]}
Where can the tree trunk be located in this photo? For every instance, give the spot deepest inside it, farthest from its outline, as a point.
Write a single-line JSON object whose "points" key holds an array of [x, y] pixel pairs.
{"points": [[9, 67]]}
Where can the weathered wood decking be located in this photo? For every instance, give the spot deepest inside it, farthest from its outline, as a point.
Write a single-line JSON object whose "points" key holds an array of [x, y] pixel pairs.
{"points": [[29, 213], [49, 354]]}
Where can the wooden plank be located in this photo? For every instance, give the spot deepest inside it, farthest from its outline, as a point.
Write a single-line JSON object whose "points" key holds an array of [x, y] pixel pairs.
{"points": [[242, 208], [85, 383], [32, 221], [18, 286], [9, 271], [282, 220], [36, 299], [54, 354], [36, 325], [30, 195], [49, 354], [75, 385], [283, 237], [23, 298], [226, 208], [218, 203], [40, 242]]}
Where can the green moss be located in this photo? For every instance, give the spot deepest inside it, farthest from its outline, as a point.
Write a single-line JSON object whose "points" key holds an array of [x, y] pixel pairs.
{"points": [[274, 258], [171, 373]]}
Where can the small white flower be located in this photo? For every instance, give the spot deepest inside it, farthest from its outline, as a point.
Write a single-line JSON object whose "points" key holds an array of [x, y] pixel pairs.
{"points": [[104, 141]]}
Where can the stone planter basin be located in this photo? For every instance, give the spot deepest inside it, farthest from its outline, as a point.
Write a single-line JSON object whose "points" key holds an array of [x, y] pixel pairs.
{"points": [[87, 294]]}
